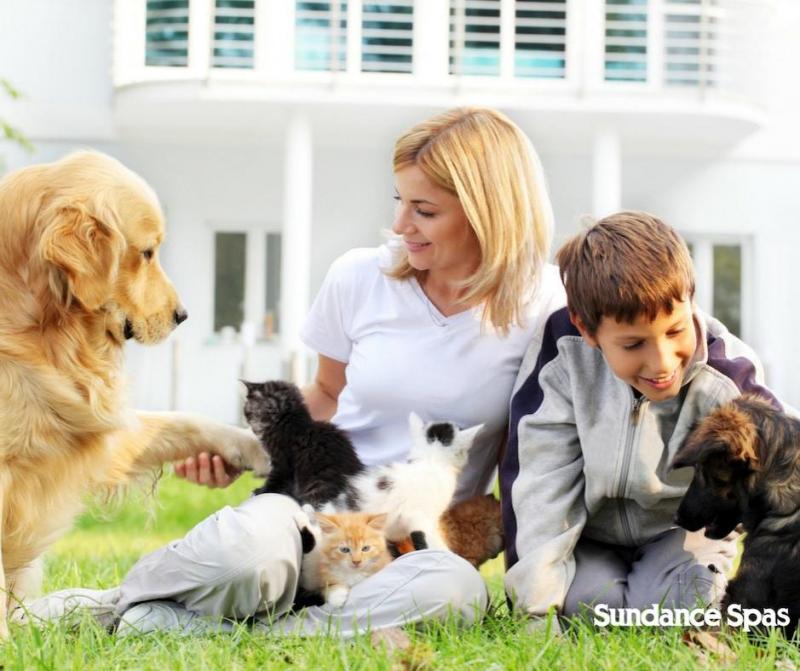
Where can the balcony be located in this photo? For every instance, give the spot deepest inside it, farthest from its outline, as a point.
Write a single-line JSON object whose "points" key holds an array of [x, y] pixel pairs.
{"points": [[641, 61]]}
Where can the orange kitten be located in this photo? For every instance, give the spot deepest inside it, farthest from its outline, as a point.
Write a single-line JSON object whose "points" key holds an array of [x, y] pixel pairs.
{"points": [[351, 547]]}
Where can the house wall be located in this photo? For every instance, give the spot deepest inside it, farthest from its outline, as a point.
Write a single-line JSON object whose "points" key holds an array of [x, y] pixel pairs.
{"points": [[59, 55]]}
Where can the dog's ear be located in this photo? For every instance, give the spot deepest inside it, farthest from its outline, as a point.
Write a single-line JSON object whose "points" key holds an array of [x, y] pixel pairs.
{"points": [[728, 431], [83, 251]]}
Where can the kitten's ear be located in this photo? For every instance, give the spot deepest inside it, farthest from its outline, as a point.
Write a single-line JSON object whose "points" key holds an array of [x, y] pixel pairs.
{"points": [[377, 522], [250, 387], [326, 524], [463, 443], [467, 436], [416, 426]]}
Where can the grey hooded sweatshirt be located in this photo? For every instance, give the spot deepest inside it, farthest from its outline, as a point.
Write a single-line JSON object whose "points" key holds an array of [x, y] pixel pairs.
{"points": [[587, 458]]}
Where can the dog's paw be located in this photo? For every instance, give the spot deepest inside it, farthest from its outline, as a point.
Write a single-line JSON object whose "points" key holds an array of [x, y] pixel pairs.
{"points": [[243, 451]]}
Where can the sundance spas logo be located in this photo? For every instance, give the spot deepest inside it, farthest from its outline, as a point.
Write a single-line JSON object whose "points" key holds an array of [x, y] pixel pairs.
{"points": [[658, 616]]}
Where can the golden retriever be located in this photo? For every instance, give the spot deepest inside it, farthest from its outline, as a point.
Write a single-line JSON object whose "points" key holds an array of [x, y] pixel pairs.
{"points": [[79, 275]]}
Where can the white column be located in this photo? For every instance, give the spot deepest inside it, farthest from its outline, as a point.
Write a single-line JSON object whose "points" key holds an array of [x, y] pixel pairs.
{"points": [[129, 40], [507, 38], [431, 57], [655, 44], [201, 28], [274, 38], [594, 44], [606, 172], [296, 244], [703, 259], [354, 37], [574, 45]]}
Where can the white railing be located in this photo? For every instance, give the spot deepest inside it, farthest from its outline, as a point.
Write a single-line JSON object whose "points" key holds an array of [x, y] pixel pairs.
{"points": [[675, 47]]}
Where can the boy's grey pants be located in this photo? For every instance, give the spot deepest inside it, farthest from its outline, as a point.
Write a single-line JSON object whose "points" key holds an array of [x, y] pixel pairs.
{"points": [[245, 561], [677, 569]]}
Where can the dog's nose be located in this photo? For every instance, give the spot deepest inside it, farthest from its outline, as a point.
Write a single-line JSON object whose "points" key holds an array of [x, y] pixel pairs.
{"points": [[180, 315]]}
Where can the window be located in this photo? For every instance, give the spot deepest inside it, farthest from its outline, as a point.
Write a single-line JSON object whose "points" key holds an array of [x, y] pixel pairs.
{"points": [[691, 52], [387, 36], [234, 26], [247, 280], [540, 39], [722, 276], [229, 273], [321, 36], [475, 37], [728, 286], [626, 40], [167, 33]]}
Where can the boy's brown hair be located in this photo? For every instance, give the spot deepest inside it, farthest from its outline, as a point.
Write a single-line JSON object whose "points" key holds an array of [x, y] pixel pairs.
{"points": [[626, 265]]}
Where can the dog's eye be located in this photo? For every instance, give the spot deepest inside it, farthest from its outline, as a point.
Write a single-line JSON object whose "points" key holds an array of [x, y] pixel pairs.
{"points": [[147, 254]]}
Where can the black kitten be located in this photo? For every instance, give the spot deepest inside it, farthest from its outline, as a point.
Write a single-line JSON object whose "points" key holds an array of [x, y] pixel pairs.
{"points": [[312, 461]]}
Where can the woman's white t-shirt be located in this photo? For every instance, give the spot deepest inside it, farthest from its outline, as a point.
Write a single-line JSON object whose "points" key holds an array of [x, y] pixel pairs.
{"points": [[403, 355]]}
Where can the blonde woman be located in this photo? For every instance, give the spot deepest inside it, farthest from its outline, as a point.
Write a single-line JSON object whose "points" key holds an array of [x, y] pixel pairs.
{"points": [[437, 322]]}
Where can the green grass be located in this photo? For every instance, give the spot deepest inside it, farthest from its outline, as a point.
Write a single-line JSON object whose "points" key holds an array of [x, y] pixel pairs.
{"points": [[105, 544]]}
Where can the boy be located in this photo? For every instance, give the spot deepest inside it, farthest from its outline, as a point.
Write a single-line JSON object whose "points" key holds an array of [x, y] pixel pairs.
{"points": [[605, 396]]}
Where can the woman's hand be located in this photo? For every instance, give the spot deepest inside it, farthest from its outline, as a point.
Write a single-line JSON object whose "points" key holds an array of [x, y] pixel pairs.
{"points": [[209, 470]]}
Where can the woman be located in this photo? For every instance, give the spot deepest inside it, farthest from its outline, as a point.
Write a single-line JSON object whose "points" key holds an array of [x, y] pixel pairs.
{"points": [[436, 322]]}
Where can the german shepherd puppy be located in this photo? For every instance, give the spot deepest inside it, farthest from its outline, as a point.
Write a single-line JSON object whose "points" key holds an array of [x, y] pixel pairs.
{"points": [[746, 456]]}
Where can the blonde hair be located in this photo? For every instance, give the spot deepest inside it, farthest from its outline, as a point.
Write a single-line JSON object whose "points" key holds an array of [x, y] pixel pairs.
{"points": [[483, 158], [626, 265]]}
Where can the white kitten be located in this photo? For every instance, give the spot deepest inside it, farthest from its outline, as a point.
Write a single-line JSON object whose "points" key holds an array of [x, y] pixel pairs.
{"points": [[415, 493]]}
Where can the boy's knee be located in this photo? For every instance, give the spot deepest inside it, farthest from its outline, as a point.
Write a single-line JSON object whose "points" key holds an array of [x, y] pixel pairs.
{"points": [[692, 586]]}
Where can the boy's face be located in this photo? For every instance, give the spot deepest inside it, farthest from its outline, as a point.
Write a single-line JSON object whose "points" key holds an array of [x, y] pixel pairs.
{"points": [[651, 356]]}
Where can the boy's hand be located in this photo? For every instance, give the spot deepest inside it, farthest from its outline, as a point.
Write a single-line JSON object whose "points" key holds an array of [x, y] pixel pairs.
{"points": [[209, 470]]}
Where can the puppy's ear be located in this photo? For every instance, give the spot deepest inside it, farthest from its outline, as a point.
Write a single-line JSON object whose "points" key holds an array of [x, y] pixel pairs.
{"points": [[728, 431], [83, 252]]}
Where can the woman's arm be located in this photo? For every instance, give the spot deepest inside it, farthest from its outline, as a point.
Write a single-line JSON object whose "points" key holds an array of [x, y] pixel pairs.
{"points": [[321, 396]]}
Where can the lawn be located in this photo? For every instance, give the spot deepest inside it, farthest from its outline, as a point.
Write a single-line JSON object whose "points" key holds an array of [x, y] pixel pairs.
{"points": [[105, 544]]}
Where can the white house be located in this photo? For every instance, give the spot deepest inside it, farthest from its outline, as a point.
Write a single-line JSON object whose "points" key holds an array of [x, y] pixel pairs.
{"points": [[266, 127]]}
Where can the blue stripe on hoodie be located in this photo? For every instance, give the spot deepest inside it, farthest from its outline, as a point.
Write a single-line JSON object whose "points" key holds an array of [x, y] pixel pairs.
{"points": [[741, 371], [526, 401]]}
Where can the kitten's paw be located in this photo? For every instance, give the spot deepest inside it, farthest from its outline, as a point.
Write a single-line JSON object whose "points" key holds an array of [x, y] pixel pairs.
{"points": [[307, 538], [302, 519], [337, 596]]}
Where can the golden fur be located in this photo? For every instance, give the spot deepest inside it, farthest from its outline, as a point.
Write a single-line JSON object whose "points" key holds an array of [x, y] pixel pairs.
{"points": [[79, 274]]}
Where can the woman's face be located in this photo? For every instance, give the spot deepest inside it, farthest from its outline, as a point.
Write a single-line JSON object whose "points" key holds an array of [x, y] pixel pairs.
{"points": [[435, 229]]}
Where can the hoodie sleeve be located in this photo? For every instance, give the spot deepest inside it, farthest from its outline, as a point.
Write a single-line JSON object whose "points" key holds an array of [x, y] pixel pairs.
{"points": [[541, 478]]}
